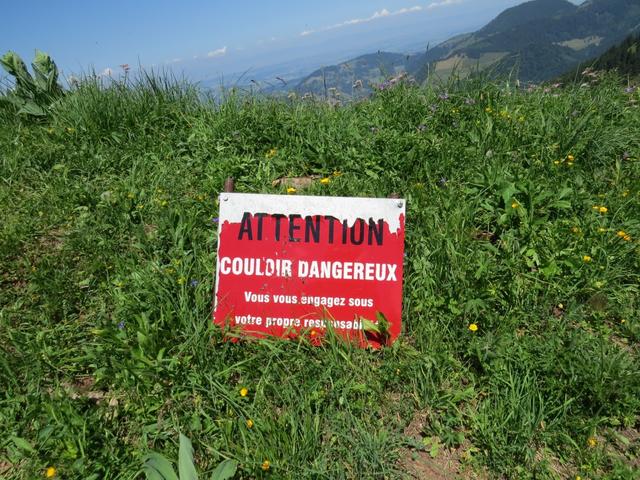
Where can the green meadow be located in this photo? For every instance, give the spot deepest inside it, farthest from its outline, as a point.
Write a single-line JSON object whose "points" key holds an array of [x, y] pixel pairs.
{"points": [[519, 356]]}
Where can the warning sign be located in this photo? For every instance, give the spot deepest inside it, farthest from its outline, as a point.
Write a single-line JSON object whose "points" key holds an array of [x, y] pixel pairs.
{"points": [[291, 265]]}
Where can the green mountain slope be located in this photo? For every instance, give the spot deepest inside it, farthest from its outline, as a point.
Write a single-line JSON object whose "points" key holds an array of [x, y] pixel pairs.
{"points": [[355, 77], [540, 39], [537, 40]]}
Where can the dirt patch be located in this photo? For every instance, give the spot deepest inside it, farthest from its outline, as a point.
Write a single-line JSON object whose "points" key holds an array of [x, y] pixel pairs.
{"points": [[298, 183], [53, 240], [439, 463]]}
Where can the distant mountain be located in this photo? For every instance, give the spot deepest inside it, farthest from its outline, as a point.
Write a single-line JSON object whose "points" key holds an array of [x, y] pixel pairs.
{"points": [[537, 40], [623, 58], [355, 77]]}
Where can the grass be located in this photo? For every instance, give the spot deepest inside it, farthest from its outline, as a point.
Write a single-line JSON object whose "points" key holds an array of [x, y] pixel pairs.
{"points": [[107, 255]]}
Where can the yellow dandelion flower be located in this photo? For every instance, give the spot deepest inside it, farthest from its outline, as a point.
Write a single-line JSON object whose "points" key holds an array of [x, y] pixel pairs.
{"points": [[627, 238], [556, 162], [244, 391], [515, 205], [337, 173], [473, 327], [621, 233], [570, 164], [575, 229], [561, 306], [325, 181], [622, 320], [586, 259], [266, 465], [570, 158], [181, 280], [602, 230], [291, 190], [271, 153], [50, 472], [625, 193], [603, 209], [592, 442], [249, 423]]}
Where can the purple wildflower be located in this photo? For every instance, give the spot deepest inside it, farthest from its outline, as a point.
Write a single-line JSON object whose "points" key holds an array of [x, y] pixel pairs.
{"points": [[194, 283], [444, 96], [422, 127], [215, 220], [443, 182], [121, 325]]}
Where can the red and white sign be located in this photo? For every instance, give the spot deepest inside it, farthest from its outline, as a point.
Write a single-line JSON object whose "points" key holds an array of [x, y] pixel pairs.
{"points": [[291, 265]]}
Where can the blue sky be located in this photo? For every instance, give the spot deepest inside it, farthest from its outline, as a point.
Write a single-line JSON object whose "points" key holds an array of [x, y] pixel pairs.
{"points": [[203, 39]]}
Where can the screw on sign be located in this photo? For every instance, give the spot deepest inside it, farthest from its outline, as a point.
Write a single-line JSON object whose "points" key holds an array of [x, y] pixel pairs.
{"points": [[292, 265]]}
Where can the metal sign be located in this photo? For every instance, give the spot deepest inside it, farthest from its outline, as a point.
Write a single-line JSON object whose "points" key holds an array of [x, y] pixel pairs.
{"points": [[291, 265]]}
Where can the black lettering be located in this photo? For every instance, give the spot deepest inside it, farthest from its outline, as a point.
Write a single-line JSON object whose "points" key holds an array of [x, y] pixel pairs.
{"points": [[278, 217], [245, 226], [345, 230], [293, 227], [312, 230], [360, 239], [376, 231], [260, 218], [330, 220]]}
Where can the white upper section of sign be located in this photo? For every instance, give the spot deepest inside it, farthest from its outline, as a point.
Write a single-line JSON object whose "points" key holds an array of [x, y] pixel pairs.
{"points": [[233, 206]]}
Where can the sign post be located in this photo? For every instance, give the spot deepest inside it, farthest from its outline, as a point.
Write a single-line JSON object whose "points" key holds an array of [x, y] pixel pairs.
{"points": [[291, 265]]}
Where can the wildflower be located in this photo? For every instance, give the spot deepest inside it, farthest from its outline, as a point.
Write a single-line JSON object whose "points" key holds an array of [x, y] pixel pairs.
{"points": [[50, 472], [244, 391], [570, 158], [194, 283], [271, 153], [586, 258], [337, 173], [121, 325], [561, 306], [626, 156], [592, 442], [50, 131], [627, 238], [215, 220], [266, 465], [602, 230], [291, 190], [556, 162], [130, 195], [488, 110], [625, 193], [622, 320], [325, 181], [163, 203], [70, 130], [515, 205], [422, 127], [181, 280], [443, 182], [444, 96], [249, 423], [603, 209], [473, 327], [575, 229], [140, 206]]}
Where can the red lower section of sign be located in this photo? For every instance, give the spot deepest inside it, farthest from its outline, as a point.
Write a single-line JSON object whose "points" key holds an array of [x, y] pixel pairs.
{"points": [[286, 276]]}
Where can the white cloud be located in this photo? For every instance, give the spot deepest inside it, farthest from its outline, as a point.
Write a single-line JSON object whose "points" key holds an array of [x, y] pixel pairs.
{"points": [[220, 52], [443, 3], [384, 13]]}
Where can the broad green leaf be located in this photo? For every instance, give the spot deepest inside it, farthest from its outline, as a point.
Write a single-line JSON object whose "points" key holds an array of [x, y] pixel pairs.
{"points": [[225, 470], [186, 468], [157, 467], [22, 444]]}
